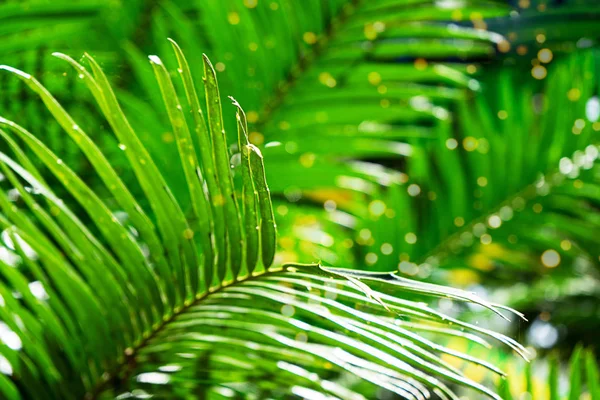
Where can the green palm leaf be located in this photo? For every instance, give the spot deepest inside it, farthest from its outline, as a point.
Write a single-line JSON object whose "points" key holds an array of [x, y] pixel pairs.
{"points": [[129, 304], [401, 139]]}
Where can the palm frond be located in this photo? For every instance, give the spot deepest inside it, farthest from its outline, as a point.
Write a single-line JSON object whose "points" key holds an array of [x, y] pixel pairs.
{"points": [[118, 299], [498, 235]]}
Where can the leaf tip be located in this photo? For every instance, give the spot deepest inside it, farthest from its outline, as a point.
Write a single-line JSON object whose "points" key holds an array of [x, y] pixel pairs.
{"points": [[206, 60], [256, 151], [176, 47], [15, 71], [155, 60], [236, 104]]}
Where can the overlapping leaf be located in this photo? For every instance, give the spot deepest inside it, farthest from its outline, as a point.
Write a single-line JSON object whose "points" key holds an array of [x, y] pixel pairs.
{"points": [[112, 298]]}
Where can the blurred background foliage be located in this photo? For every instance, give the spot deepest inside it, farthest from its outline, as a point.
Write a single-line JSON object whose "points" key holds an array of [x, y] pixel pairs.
{"points": [[454, 141]]}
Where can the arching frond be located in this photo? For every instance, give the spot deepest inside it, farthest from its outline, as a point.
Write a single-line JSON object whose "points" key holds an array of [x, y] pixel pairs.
{"points": [[120, 298]]}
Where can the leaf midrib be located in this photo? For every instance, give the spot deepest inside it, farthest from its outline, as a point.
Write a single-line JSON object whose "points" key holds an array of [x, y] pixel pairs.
{"points": [[277, 99], [124, 368], [528, 193]]}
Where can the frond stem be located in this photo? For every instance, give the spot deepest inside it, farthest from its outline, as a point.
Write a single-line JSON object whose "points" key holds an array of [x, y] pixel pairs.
{"points": [[304, 62], [124, 368], [528, 193]]}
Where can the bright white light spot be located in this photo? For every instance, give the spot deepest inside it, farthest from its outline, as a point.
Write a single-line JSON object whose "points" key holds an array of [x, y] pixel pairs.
{"points": [[157, 378], [410, 238], [377, 208], [451, 143], [486, 239], [379, 26], [155, 59], [358, 184], [473, 84], [542, 334], [287, 310], [223, 391], [29, 252], [370, 126], [13, 195], [170, 368], [343, 219], [5, 367], [494, 221], [420, 103], [413, 190], [9, 257], [440, 113], [565, 166], [408, 268], [16, 71], [140, 394], [37, 289], [550, 258], [10, 338], [296, 370], [445, 305], [591, 152], [272, 144], [592, 109], [306, 393], [387, 249], [365, 234], [326, 239], [371, 258]]}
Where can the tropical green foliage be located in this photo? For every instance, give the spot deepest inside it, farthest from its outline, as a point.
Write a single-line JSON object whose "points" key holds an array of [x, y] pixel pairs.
{"points": [[453, 142], [581, 377], [130, 291]]}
